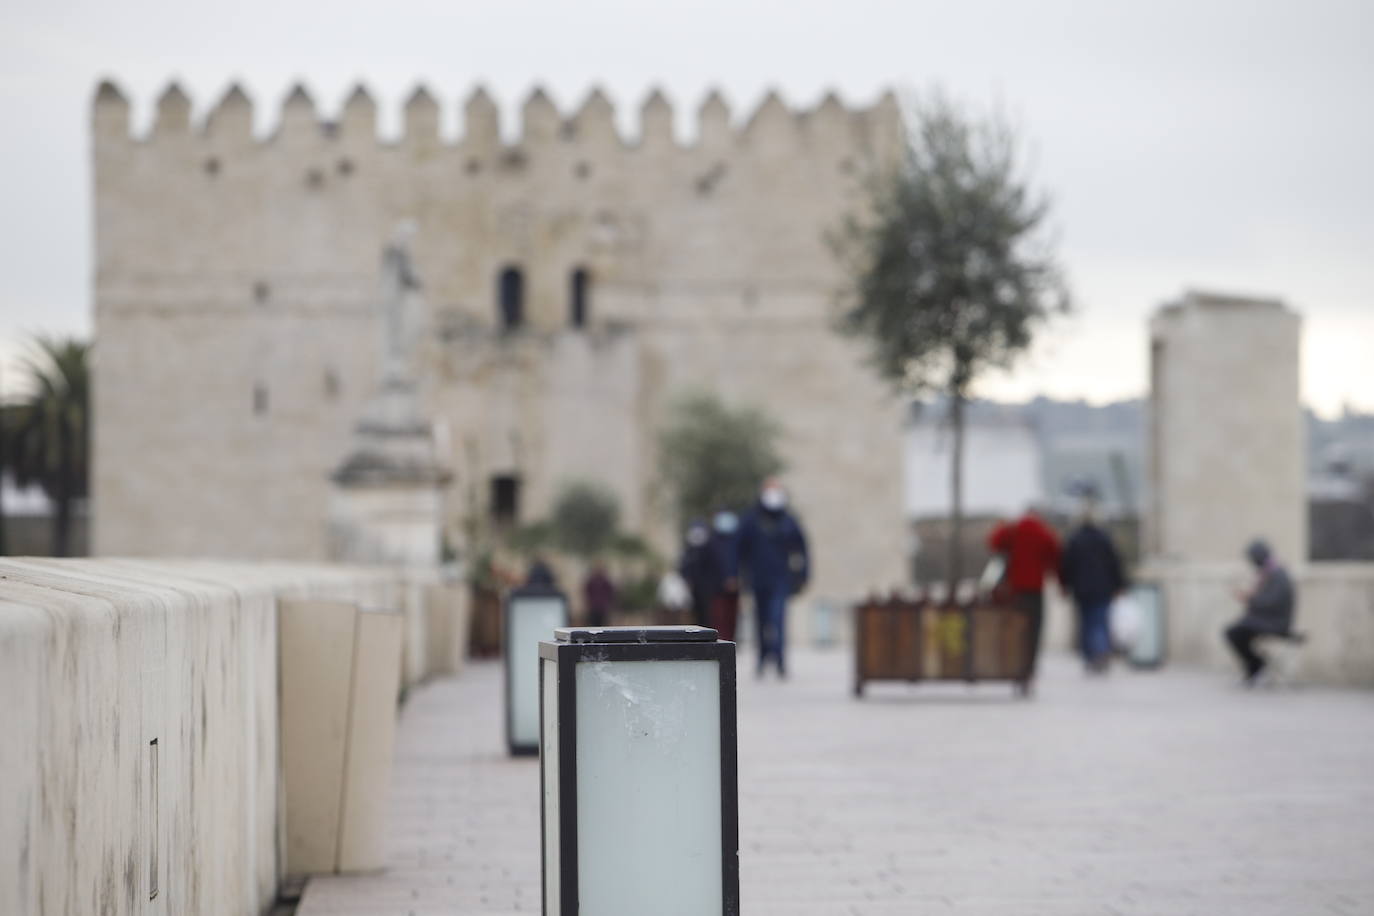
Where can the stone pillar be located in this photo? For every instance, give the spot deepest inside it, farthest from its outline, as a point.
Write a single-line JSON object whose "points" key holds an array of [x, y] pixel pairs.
{"points": [[1227, 440], [387, 505], [387, 508]]}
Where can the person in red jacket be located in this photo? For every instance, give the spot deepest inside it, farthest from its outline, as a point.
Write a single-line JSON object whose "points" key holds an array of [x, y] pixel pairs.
{"points": [[1032, 551]]}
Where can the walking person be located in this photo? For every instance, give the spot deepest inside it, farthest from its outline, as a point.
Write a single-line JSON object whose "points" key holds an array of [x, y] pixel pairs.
{"points": [[1032, 551], [1268, 610], [725, 541], [773, 558], [1091, 572], [598, 596], [700, 569]]}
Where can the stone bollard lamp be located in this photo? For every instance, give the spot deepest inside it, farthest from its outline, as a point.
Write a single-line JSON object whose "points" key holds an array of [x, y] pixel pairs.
{"points": [[638, 773], [532, 613]]}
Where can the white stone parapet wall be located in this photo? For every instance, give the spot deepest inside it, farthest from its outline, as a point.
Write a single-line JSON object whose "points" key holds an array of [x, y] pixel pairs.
{"points": [[99, 658], [1335, 610]]}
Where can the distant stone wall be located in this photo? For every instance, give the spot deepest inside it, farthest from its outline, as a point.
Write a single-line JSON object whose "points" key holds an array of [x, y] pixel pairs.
{"points": [[100, 658], [1335, 610], [237, 284]]}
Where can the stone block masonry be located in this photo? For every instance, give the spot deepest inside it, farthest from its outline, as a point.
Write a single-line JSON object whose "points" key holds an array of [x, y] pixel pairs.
{"points": [[576, 280], [139, 766]]}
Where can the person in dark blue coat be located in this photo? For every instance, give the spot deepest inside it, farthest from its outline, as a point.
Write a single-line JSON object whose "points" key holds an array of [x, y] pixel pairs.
{"points": [[1090, 569], [773, 559]]}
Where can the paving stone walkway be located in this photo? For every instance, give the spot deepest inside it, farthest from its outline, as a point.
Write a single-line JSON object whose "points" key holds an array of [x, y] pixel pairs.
{"points": [[1142, 793]]}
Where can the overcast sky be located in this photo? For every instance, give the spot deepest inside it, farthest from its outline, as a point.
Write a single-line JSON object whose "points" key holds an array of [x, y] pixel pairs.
{"points": [[1207, 143]]}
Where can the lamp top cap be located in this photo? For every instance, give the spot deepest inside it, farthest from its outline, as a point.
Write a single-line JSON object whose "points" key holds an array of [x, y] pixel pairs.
{"points": [[635, 634]]}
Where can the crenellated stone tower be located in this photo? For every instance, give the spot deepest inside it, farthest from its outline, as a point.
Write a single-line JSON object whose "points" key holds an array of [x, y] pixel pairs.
{"points": [[576, 280]]}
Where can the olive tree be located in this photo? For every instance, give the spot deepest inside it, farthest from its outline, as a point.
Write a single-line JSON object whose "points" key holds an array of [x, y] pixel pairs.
{"points": [[713, 456], [585, 520], [950, 267]]}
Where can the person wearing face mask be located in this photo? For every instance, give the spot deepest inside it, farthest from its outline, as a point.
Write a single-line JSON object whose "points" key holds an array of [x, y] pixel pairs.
{"points": [[773, 558], [725, 540], [700, 568]]}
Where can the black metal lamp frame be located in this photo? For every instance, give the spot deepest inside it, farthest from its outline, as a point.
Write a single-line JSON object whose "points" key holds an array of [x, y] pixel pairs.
{"points": [[524, 591], [623, 644]]}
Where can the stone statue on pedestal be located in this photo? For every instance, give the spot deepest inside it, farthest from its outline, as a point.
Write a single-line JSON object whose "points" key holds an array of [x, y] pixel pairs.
{"points": [[388, 503]]}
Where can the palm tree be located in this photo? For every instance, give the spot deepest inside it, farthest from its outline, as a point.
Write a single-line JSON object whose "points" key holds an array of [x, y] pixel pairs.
{"points": [[48, 435]]}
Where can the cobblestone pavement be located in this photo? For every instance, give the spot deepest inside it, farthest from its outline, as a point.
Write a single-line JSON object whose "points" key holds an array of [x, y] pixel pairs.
{"points": [[1142, 793]]}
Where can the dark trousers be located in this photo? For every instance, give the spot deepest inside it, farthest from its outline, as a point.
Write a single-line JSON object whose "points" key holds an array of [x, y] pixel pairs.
{"points": [[770, 611], [1242, 638], [1033, 604], [1095, 637]]}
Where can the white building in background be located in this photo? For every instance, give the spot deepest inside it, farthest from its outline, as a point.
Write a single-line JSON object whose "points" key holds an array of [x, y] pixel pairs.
{"points": [[1003, 469], [1107, 464]]}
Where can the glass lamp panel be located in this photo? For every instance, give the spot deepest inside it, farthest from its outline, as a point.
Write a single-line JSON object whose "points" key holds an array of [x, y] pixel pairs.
{"points": [[549, 762], [648, 788], [1148, 646], [531, 619]]}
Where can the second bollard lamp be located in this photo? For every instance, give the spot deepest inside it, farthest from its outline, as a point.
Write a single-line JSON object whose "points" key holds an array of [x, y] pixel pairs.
{"points": [[638, 773], [532, 612]]}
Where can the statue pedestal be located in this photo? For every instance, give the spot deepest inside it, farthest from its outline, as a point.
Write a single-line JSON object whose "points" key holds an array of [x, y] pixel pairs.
{"points": [[388, 500]]}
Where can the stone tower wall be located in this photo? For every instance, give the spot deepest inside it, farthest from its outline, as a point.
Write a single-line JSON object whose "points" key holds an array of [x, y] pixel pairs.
{"points": [[236, 297]]}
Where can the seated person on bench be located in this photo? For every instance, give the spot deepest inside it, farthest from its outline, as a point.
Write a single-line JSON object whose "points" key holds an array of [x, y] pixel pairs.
{"points": [[1268, 610]]}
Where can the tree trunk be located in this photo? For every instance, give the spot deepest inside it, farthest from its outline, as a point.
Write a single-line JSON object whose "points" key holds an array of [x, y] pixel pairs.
{"points": [[956, 491]]}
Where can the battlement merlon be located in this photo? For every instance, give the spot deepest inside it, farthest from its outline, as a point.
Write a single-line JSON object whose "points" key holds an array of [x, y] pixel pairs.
{"points": [[830, 125]]}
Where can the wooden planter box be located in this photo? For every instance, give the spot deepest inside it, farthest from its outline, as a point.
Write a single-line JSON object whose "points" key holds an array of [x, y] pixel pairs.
{"points": [[914, 640]]}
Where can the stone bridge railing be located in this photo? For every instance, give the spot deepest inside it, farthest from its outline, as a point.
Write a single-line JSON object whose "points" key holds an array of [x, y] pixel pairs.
{"points": [[143, 762]]}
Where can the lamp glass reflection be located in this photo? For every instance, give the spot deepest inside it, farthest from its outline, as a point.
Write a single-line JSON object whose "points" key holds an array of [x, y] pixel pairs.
{"points": [[648, 787], [532, 618]]}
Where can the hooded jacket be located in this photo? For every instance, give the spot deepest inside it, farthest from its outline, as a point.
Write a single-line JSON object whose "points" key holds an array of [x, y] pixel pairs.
{"points": [[1091, 568], [1270, 607], [1032, 550]]}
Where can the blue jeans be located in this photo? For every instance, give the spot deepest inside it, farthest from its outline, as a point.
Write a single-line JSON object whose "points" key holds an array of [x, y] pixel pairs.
{"points": [[1096, 635], [770, 610]]}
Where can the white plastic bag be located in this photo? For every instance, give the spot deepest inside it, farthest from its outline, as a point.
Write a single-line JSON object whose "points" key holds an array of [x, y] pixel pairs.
{"points": [[673, 592], [993, 573], [1124, 620]]}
